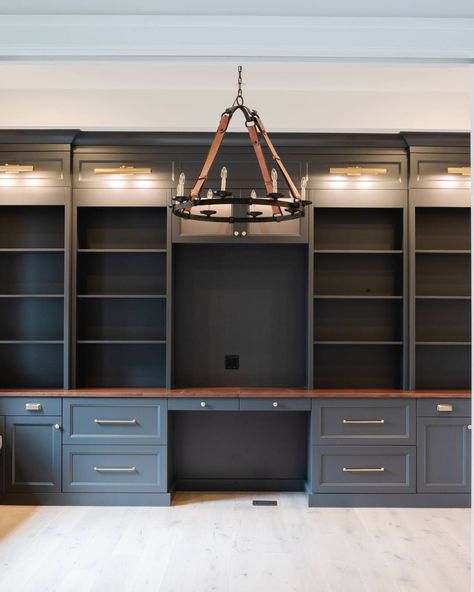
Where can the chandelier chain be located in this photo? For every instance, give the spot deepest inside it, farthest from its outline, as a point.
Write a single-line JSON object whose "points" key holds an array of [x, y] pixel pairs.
{"points": [[239, 100]]}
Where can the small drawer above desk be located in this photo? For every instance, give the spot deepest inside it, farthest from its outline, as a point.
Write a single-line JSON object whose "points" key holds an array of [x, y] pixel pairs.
{"points": [[32, 406], [203, 404], [364, 421], [268, 404], [115, 421], [444, 407]]}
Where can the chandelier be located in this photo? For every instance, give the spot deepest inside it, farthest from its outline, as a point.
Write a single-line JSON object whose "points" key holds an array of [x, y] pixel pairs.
{"points": [[195, 207]]}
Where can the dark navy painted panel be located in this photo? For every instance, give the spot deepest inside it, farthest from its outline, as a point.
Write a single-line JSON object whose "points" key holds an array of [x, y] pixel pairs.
{"points": [[197, 404], [364, 421], [31, 406], [444, 455], [385, 469], [115, 421], [444, 407], [275, 404], [33, 454], [115, 469]]}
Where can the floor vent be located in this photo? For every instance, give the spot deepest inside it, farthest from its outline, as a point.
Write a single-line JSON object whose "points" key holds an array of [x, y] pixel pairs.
{"points": [[264, 503]]}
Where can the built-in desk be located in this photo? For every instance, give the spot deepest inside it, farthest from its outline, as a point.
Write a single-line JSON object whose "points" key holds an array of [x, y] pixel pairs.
{"points": [[137, 446]]}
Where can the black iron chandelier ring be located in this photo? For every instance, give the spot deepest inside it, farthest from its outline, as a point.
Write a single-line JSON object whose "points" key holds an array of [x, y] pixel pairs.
{"points": [[283, 208]]}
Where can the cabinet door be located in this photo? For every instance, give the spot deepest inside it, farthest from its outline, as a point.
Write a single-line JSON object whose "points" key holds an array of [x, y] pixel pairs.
{"points": [[33, 454], [243, 176], [444, 455]]}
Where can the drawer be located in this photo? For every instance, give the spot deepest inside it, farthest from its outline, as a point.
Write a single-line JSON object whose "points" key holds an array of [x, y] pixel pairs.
{"points": [[364, 469], [363, 422], [275, 404], [137, 469], [444, 407], [197, 404], [115, 421], [32, 406]]}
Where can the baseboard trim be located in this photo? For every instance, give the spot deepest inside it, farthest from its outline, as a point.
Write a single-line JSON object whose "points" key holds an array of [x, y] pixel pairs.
{"points": [[389, 500], [239, 485], [86, 499]]}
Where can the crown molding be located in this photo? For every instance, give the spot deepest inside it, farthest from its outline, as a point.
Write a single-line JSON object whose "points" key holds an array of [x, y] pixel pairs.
{"points": [[185, 37]]}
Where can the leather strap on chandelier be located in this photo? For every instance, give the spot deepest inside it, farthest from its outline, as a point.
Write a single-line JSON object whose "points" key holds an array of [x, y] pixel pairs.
{"points": [[294, 208]]}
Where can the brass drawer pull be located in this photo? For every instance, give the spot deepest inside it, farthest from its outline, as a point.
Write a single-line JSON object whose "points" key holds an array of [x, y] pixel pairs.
{"points": [[374, 470], [364, 421], [33, 407], [115, 421], [444, 407], [115, 469]]}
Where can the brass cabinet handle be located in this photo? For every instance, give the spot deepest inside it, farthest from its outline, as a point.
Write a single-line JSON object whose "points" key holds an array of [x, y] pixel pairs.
{"points": [[33, 406], [374, 470], [275, 404], [444, 407], [115, 469], [115, 421], [203, 403], [364, 421]]}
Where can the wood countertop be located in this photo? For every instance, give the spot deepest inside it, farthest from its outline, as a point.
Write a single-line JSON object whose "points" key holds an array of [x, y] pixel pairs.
{"points": [[239, 393]]}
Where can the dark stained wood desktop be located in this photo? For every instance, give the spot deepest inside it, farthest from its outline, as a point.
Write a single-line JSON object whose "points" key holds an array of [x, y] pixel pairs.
{"points": [[240, 393]]}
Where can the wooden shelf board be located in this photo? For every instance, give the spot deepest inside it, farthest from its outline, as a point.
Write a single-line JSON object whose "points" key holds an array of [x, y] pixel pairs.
{"points": [[156, 296], [121, 250], [120, 342]]}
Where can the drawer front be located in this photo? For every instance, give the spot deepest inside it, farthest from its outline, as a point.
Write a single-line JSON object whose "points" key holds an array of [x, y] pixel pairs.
{"points": [[444, 407], [139, 469], [363, 422], [115, 421], [197, 404], [32, 406], [364, 469], [275, 404]]}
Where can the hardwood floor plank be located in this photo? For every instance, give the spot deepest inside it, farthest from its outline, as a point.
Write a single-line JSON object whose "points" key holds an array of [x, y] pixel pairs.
{"points": [[222, 543]]}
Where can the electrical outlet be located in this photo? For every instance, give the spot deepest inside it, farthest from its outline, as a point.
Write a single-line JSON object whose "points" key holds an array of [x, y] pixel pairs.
{"points": [[231, 362]]}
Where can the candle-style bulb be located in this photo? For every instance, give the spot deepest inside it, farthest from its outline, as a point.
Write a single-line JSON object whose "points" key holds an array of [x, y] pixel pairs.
{"points": [[180, 188], [304, 182], [209, 194], [223, 178], [274, 181], [253, 194]]}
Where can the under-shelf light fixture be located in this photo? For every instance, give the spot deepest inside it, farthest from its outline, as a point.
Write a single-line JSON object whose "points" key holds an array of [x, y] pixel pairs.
{"points": [[123, 170], [357, 171], [464, 171], [14, 169]]}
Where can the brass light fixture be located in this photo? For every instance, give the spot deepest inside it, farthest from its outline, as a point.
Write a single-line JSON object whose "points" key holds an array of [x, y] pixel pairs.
{"points": [[14, 169], [283, 208], [464, 171], [123, 170], [357, 171]]}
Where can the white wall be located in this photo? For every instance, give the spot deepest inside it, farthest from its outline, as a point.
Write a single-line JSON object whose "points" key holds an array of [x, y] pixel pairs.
{"points": [[155, 95]]}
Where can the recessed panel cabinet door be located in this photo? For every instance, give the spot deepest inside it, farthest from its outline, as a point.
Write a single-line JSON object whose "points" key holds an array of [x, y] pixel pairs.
{"points": [[33, 454], [444, 455]]}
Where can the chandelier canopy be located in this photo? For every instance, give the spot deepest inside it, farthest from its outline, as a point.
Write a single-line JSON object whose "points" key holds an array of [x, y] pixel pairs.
{"points": [[195, 207]]}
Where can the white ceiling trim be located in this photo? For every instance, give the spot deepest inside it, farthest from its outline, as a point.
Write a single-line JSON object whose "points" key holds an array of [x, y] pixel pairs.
{"points": [[66, 36]]}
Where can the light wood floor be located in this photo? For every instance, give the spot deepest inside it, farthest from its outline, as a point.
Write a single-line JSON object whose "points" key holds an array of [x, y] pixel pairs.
{"points": [[222, 543]]}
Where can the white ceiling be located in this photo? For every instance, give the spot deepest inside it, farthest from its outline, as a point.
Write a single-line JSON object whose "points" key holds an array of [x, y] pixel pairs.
{"points": [[410, 8]]}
